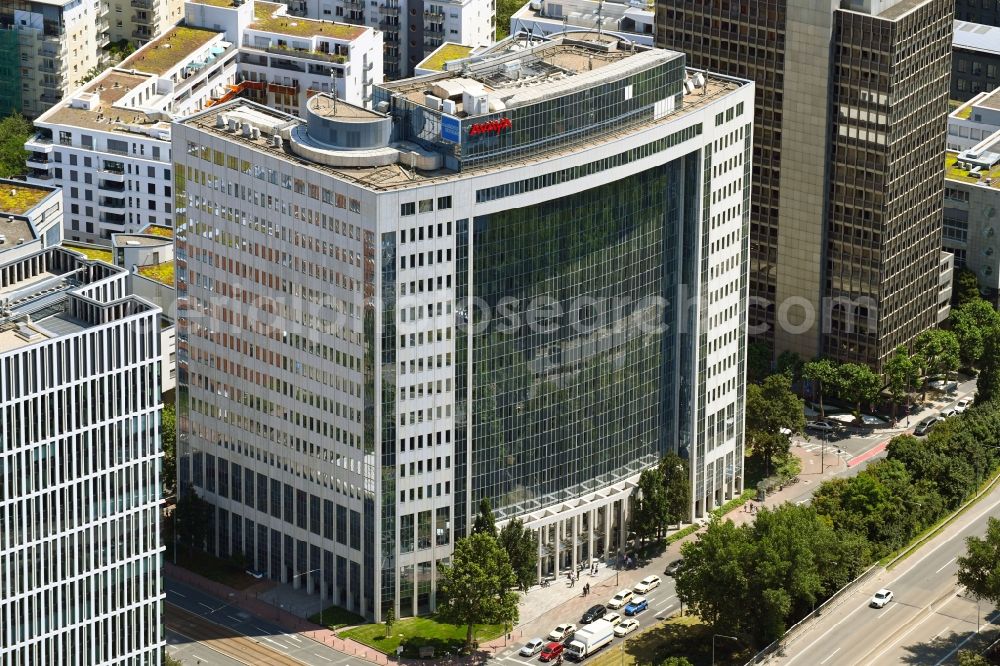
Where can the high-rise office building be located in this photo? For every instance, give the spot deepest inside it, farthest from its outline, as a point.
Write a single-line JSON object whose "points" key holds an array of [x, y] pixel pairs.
{"points": [[521, 279], [79, 450], [850, 130]]}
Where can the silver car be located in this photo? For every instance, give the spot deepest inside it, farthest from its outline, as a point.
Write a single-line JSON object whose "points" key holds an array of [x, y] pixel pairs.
{"points": [[532, 647]]}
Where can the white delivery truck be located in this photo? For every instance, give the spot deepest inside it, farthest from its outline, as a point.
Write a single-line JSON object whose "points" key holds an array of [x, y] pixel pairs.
{"points": [[590, 639]]}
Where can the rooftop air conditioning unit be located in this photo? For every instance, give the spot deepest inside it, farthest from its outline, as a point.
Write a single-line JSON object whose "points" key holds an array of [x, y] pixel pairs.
{"points": [[255, 133], [276, 141], [247, 130], [699, 80], [449, 106], [220, 121], [432, 102]]}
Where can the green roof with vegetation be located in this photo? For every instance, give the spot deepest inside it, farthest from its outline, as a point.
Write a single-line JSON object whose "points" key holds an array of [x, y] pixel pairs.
{"points": [[445, 53], [166, 52], [162, 273], [215, 3], [964, 113], [19, 198], [296, 26], [954, 172], [99, 254], [162, 232]]}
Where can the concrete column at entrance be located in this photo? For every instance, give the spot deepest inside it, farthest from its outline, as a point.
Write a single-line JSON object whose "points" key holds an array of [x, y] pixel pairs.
{"points": [[622, 523], [540, 544], [591, 525], [575, 526], [557, 553], [606, 513]]}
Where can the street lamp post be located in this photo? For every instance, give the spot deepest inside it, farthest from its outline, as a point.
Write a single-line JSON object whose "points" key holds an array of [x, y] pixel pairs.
{"points": [[714, 636]]}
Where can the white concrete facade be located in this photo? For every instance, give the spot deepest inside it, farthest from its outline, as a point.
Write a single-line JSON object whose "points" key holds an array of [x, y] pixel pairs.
{"points": [[80, 456], [632, 21], [362, 274]]}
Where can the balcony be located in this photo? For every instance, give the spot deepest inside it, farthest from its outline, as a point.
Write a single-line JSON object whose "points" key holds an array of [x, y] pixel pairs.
{"points": [[40, 162], [49, 98], [434, 14], [117, 219], [143, 4], [110, 185], [39, 144], [143, 19], [291, 53], [360, 4], [388, 26], [142, 34], [53, 82], [54, 67], [283, 89], [113, 205], [434, 29], [102, 25], [391, 10]]}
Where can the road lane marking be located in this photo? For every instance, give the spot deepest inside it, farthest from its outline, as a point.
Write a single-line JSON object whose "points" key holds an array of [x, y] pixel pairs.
{"points": [[673, 596], [178, 593], [946, 564], [957, 648], [941, 632], [831, 656], [283, 647], [886, 611], [294, 638], [234, 619], [319, 656], [201, 603]]}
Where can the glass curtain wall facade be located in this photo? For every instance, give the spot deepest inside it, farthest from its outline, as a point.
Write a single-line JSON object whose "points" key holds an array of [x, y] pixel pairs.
{"points": [[573, 379]]}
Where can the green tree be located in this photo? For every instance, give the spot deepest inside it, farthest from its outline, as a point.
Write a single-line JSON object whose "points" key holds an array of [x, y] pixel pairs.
{"points": [[758, 361], [857, 383], [823, 373], [193, 519], [485, 523], [652, 511], [772, 411], [966, 286], [168, 432], [676, 661], [979, 568], [171, 661], [477, 586], [505, 9], [791, 364], [390, 619], [988, 382], [970, 658], [902, 375], [970, 322], [14, 131], [677, 484], [522, 551], [937, 351]]}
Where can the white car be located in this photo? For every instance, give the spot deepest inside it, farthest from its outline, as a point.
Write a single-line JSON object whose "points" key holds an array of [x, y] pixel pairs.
{"points": [[613, 618], [820, 426], [963, 404], [949, 412], [881, 598], [532, 647], [620, 599], [626, 627], [562, 632], [646, 584]]}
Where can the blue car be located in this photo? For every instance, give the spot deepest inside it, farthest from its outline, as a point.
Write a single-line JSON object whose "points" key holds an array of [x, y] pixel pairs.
{"points": [[636, 606]]}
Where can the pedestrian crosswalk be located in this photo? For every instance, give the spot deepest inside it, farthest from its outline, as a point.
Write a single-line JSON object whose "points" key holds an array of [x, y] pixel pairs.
{"points": [[831, 449]]}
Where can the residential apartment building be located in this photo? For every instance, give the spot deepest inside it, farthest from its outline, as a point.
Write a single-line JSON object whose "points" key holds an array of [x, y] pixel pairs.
{"points": [[139, 21], [46, 50], [411, 29], [630, 20], [975, 59], [370, 338], [972, 190], [850, 109], [79, 452], [108, 144]]}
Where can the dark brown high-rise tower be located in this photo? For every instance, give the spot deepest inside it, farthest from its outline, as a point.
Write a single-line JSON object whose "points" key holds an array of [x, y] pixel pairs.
{"points": [[851, 109]]}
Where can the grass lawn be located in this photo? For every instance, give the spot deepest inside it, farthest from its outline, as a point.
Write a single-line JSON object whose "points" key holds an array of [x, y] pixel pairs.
{"points": [[416, 632], [213, 568], [675, 637], [335, 617]]}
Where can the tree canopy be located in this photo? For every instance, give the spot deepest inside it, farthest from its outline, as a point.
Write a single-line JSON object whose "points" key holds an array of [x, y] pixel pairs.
{"points": [[14, 131], [971, 322], [168, 432], [937, 351], [966, 286], [988, 384], [477, 588], [772, 408], [823, 373], [902, 376], [979, 568], [758, 362], [857, 383], [485, 523], [522, 551]]}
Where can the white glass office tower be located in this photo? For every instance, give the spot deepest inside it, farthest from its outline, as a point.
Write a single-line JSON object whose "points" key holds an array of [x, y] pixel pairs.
{"points": [[521, 279], [79, 463]]}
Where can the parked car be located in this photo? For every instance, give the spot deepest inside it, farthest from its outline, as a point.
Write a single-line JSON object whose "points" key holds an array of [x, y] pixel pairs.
{"points": [[594, 613], [646, 584], [626, 627], [674, 567], [636, 606], [881, 598], [552, 651], [562, 632], [620, 599], [532, 647], [925, 424], [613, 618], [963, 404], [949, 412], [820, 426]]}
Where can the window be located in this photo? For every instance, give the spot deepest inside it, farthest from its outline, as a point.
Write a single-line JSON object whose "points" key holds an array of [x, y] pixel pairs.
{"points": [[426, 205], [444, 202], [408, 208], [355, 206]]}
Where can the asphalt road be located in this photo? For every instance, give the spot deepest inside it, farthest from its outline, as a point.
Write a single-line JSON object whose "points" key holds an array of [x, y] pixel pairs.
{"points": [[258, 630], [926, 623]]}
